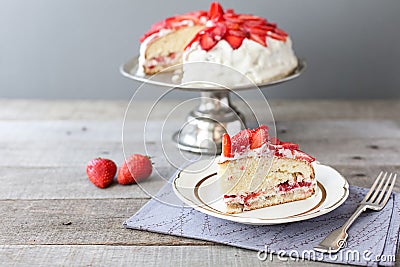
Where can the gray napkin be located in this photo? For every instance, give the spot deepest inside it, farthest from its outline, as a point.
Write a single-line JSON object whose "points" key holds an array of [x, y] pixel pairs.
{"points": [[373, 238]]}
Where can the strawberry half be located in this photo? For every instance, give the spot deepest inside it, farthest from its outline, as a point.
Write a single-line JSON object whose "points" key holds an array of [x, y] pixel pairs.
{"points": [[207, 42], [234, 41], [281, 32], [259, 137], [226, 146], [288, 145], [261, 39], [216, 12], [218, 31], [274, 141], [241, 141], [276, 36], [300, 155], [236, 32]]}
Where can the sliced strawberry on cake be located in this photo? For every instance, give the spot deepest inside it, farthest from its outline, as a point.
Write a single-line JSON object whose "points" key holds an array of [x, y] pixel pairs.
{"points": [[258, 171]]}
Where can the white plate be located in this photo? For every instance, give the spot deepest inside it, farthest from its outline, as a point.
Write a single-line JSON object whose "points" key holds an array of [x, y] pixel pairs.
{"points": [[197, 186]]}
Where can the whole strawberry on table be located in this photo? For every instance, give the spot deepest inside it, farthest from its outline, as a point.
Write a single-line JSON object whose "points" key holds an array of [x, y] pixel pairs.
{"points": [[134, 169]]}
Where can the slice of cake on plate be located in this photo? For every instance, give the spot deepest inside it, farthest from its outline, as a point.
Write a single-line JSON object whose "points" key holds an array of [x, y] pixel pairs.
{"points": [[249, 44], [256, 171]]}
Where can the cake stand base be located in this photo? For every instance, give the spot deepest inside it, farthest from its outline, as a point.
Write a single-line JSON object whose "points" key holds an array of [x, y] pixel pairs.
{"points": [[206, 124]]}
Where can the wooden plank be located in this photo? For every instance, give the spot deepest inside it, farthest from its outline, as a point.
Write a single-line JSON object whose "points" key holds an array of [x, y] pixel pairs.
{"points": [[291, 110], [69, 183], [49, 144], [364, 176], [111, 131], [353, 152], [77, 222], [139, 256]]}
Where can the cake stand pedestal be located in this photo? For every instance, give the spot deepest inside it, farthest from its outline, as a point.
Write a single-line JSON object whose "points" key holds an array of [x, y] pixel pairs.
{"points": [[205, 125]]}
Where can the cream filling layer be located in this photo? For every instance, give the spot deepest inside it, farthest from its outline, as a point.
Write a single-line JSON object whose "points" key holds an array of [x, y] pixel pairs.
{"points": [[305, 186]]}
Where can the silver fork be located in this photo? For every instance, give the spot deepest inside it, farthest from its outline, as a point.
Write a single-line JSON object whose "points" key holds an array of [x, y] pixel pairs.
{"points": [[376, 199]]}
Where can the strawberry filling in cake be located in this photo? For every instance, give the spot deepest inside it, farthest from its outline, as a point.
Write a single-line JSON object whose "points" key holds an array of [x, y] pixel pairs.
{"points": [[249, 44], [257, 171]]}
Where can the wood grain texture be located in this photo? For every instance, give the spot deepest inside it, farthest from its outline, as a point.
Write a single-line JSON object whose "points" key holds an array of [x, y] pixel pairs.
{"points": [[216, 255], [52, 215], [76, 222]]}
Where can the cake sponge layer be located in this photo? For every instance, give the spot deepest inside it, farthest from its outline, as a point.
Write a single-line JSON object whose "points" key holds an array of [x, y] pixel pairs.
{"points": [[246, 175]]}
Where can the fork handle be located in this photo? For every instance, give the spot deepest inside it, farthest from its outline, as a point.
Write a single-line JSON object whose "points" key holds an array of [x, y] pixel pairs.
{"points": [[337, 238]]}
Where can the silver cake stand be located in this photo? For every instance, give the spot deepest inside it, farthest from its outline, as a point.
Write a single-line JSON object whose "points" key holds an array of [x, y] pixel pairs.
{"points": [[206, 124]]}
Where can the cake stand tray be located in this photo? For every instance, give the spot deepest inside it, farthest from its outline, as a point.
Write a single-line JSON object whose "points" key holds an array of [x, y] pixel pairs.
{"points": [[130, 69], [206, 124]]}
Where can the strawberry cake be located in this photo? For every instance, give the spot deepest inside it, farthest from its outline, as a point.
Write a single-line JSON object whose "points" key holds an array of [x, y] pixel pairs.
{"points": [[257, 171], [249, 44]]}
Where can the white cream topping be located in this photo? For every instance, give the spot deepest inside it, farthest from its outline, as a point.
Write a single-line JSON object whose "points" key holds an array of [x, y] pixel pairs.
{"points": [[251, 59], [287, 153], [262, 151]]}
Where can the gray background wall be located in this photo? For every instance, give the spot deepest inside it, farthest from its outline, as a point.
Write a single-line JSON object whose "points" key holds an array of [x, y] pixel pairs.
{"points": [[73, 48]]}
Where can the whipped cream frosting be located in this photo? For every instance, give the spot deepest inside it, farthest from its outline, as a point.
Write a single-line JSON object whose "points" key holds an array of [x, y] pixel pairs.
{"points": [[262, 151], [254, 61]]}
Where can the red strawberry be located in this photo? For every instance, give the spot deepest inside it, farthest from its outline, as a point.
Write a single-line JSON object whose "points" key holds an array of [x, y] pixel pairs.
{"points": [[259, 30], [261, 39], [241, 141], [216, 12], [280, 32], [273, 24], [276, 36], [218, 31], [234, 41], [226, 146], [194, 16], [274, 141], [259, 136], [134, 169], [250, 17], [233, 19], [300, 155], [207, 42], [265, 28], [236, 32], [255, 23], [101, 172], [287, 145]]}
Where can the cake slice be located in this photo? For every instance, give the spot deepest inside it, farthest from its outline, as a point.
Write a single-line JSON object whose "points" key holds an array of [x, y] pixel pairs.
{"points": [[257, 171]]}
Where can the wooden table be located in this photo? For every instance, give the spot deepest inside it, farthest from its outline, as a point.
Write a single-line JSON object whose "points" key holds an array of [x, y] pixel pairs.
{"points": [[52, 214]]}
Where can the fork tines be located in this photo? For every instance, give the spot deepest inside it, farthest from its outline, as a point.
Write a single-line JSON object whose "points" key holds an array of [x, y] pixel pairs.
{"points": [[379, 193]]}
